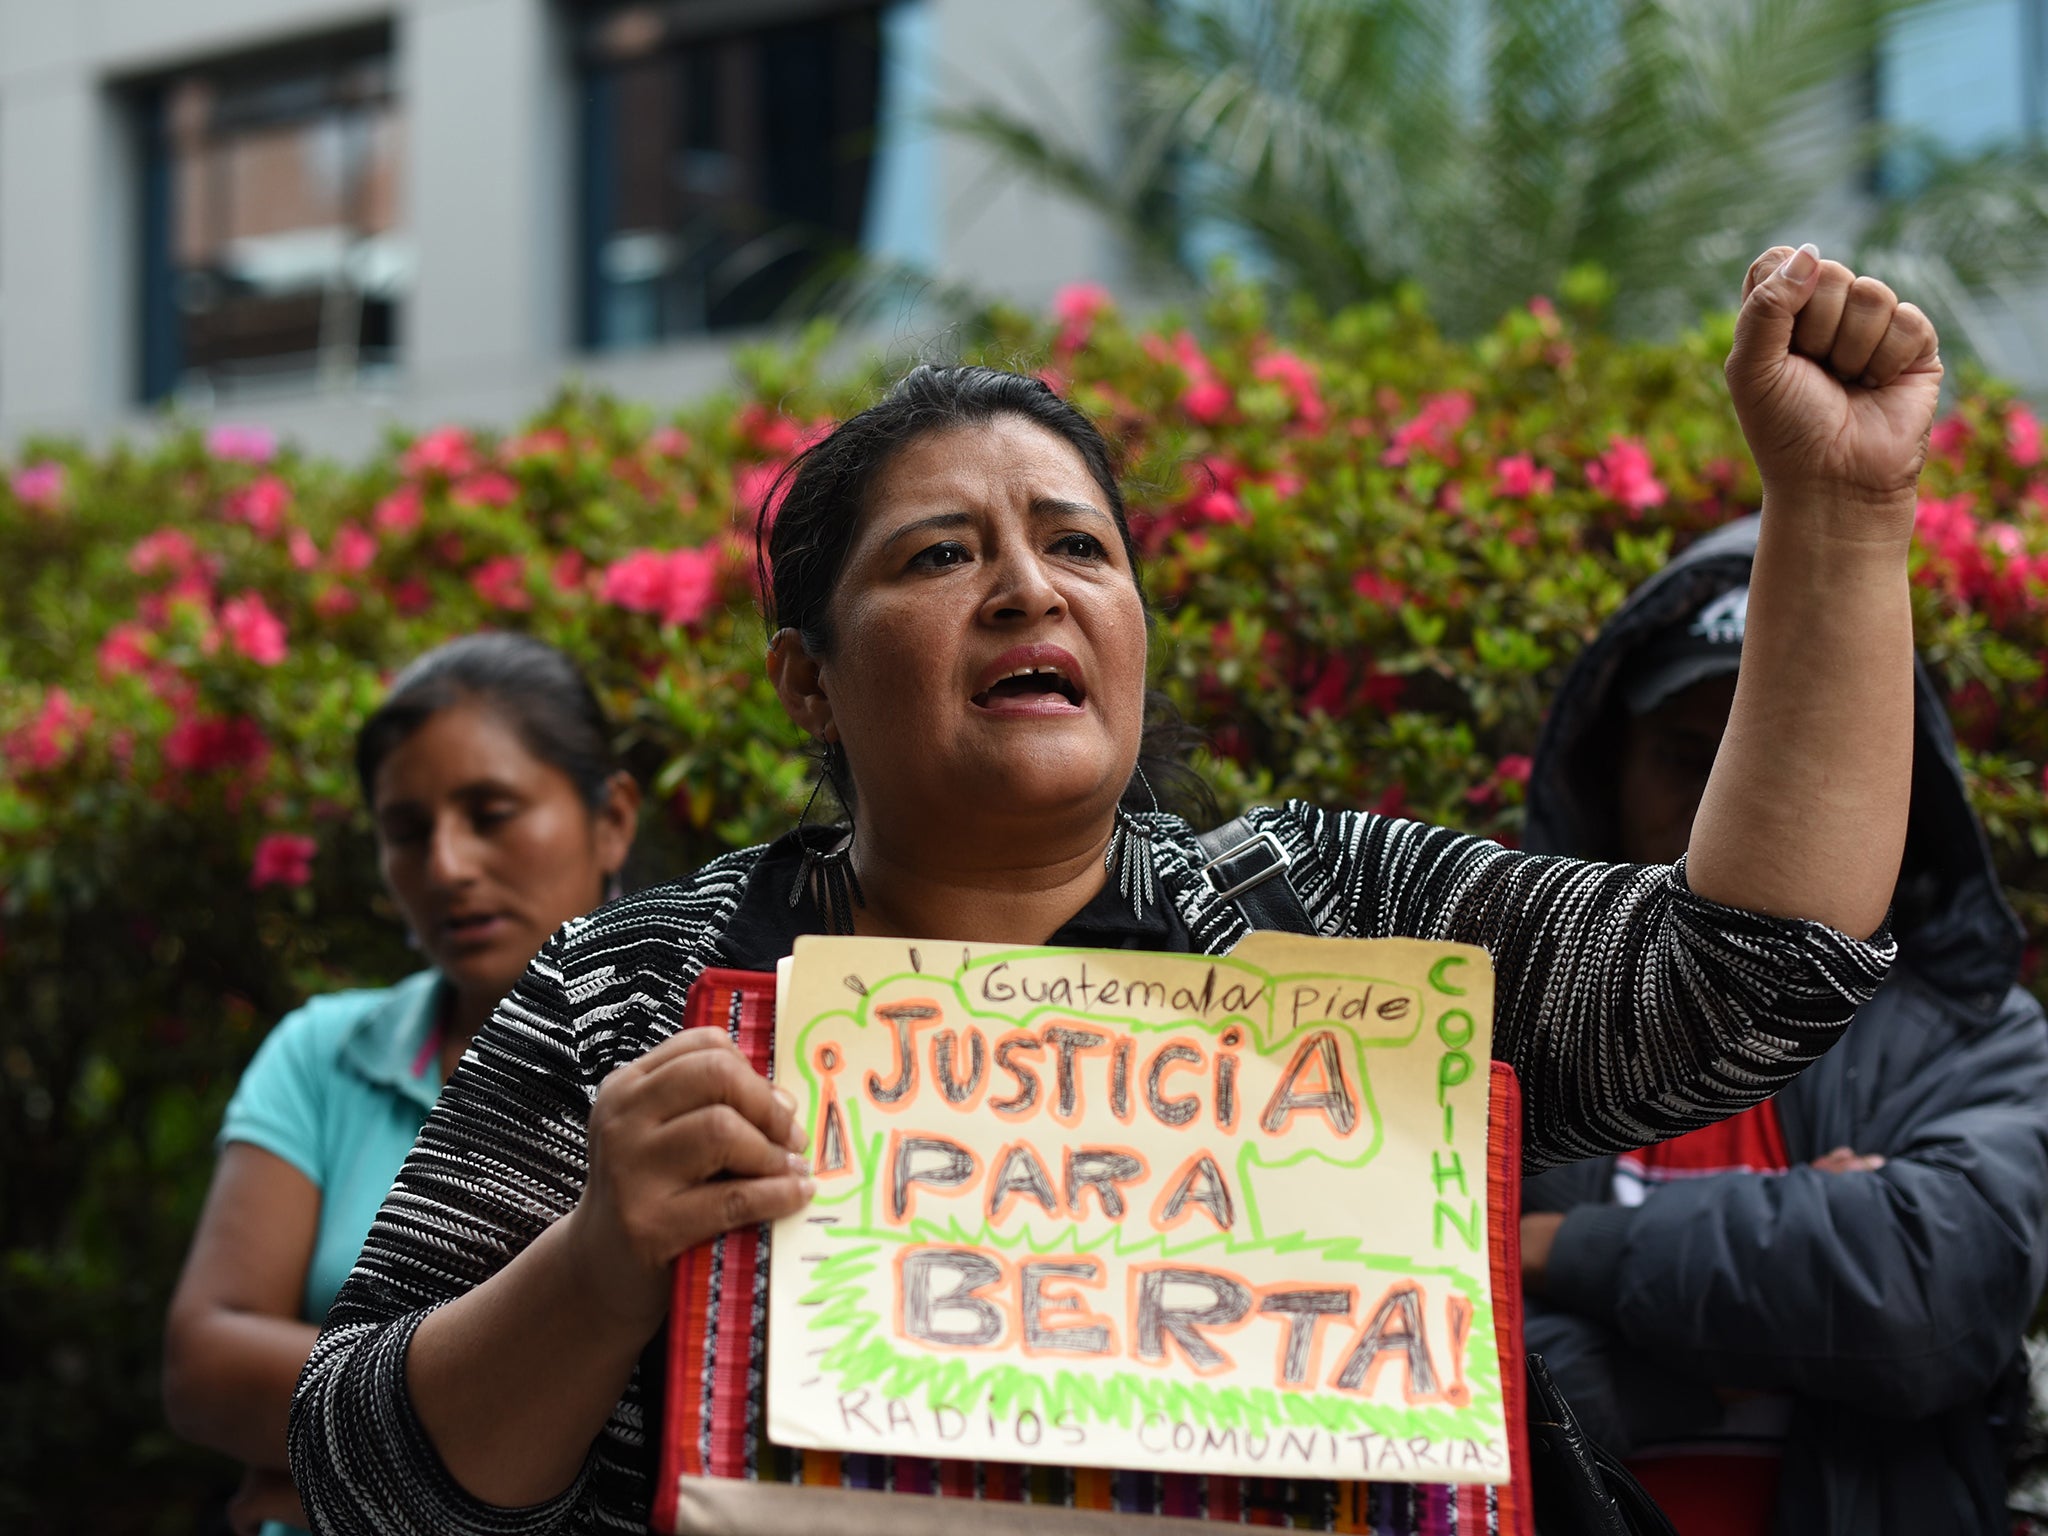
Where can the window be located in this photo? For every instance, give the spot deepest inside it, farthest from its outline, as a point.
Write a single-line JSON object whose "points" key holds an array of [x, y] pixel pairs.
{"points": [[272, 243], [732, 153], [1961, 78]]}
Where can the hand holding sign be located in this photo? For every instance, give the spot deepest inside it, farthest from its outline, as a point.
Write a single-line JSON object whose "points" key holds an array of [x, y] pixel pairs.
{"points": [[685, 1143]]}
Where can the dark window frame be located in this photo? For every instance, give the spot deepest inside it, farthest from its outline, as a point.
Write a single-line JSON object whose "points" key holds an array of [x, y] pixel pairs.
{"points": [[159, 362], [610, 36]]}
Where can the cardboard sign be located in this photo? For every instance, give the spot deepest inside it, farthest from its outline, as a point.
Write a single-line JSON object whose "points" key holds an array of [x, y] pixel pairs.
{"points": [[1119, 1209]]}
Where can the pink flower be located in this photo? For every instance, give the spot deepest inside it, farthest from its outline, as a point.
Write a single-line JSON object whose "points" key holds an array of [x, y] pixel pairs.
{"points": [[126, 650], [354, 549], [548, 442], [40, 485], [768, 431], [242, 445], [502, 583], [332, 602], [253, 629], [411, 596], [1541, 307], [261, 504], [1207, 402], [209, 743], [669, 443], [1948, 438], [1433, 429], [490, 488], [1623, 474], [1513, 769], [282, 858], [1075, 307], [1206, 399], [755, 485], [49, 740], [168, 549], [1299, 379], [305, 554], [1378, 590], [2022, 435], [677, 584], [1217, 506], [445, 451], [1518, 478], [398, 513], [567, 572]]}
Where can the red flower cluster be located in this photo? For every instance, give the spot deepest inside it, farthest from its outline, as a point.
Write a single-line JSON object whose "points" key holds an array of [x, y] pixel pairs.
{"points": [[1493, 790], [1517, 478], [502, 583], [1986, 564], [1206, 399], [1433, 429], [679, 585], [51, 736], [253, 629], [1299, 380], [203, 744], [446, 452], [1076, 307], [262, 504], [282, 858], [1624, 474]]}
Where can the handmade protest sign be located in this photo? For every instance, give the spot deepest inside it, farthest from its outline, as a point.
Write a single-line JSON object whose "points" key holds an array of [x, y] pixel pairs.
{"points": [[1120, 1209]]}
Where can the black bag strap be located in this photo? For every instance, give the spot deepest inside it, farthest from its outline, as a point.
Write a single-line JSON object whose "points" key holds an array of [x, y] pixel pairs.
{"points": [[1249, 867]]}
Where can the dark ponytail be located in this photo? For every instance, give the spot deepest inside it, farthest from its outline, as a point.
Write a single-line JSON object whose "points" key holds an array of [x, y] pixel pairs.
{"points": [[529, 684]]}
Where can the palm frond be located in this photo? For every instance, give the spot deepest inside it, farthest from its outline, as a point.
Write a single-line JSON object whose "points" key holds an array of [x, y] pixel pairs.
{"points": [[1484, 148]]}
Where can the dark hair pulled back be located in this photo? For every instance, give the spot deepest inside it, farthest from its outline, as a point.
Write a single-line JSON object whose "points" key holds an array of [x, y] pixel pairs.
{"points": [[806, 525], [533, 687]]}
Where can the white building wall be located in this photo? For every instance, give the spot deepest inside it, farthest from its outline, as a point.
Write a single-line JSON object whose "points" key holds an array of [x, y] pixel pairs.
{"points": [[488, 95]]}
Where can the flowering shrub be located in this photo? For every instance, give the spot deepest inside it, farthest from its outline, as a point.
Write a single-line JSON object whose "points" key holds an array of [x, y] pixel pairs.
{"points": [[1374, 552]]}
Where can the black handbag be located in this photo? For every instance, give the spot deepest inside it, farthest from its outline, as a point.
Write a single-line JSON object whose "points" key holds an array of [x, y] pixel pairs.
{"points": [[1580, 1490]]}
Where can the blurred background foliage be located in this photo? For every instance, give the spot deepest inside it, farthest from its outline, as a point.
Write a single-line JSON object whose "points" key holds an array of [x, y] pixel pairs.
{"points": [[1375, 546], [1483, 150]]}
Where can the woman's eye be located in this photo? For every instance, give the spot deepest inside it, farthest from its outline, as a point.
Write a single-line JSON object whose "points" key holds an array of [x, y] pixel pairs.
{"points": [[1080, 546], [402, 834], [939, 557], [487, 817]]}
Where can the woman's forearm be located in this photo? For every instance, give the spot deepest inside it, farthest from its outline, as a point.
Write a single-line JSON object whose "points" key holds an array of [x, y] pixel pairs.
{"points": [[1805, 812], [228, 1379], [514, 1380]]}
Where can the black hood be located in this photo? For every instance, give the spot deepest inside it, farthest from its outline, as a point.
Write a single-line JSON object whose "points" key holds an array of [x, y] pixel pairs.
{"points": [[1954, 926]]}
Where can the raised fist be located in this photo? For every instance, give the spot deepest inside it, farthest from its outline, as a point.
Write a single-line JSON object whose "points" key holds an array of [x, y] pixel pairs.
{"points": [[1835, 383]]}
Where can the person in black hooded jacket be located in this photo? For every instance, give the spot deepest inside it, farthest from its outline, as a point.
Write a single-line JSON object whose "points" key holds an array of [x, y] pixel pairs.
{"points": [[1817, 1338]]}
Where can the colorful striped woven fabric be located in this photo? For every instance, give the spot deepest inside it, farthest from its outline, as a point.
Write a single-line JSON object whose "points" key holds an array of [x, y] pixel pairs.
{"points": [[712, 1398]]}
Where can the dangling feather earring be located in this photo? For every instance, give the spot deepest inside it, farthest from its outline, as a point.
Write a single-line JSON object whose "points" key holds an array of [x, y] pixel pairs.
{"points": [[827, 873], [1129, 856]]}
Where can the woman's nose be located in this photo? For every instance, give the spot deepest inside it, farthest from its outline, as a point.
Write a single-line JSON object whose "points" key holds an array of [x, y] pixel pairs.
{"points": [[1023, 589], [452, 855]]}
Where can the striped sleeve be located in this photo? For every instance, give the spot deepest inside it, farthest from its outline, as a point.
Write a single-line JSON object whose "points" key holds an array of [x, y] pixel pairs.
{"points": [[1631, 1008], [502, 1156]]}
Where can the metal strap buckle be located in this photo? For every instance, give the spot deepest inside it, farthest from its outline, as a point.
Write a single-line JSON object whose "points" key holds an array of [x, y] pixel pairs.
{"points": [[1271, 859]]}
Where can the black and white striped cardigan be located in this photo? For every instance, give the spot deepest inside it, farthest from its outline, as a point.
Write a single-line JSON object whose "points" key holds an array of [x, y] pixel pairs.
{"points": [[1631, 1009]]}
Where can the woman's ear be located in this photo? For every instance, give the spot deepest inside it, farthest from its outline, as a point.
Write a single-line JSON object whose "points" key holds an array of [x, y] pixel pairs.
{"points": [[617, 819], [796, 676]]}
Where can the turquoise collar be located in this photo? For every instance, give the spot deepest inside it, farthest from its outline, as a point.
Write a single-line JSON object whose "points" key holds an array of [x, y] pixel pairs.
{"points": [[396, 1044]]}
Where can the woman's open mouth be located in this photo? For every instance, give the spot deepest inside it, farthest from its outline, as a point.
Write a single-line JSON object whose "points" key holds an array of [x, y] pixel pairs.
{"points": [[472, 929], [1032, 680]]}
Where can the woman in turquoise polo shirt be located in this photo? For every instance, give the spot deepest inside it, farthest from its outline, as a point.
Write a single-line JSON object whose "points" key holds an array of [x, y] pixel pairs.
{"points": [[500, 813]]}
